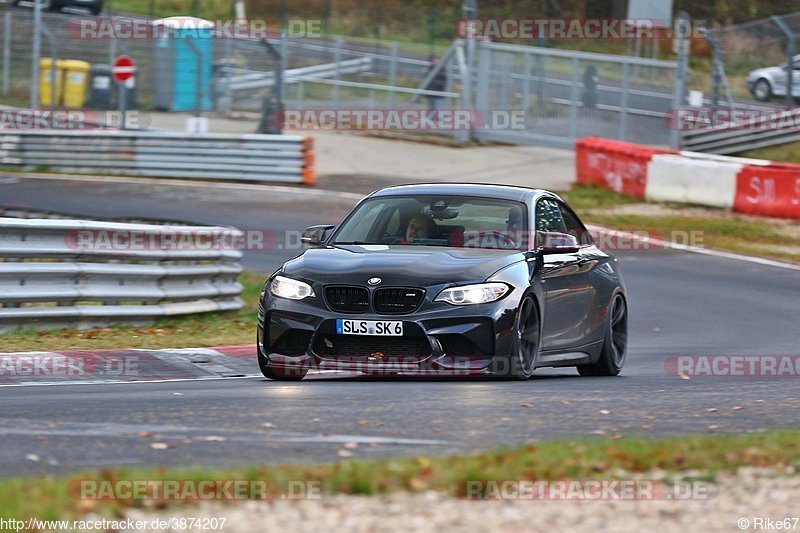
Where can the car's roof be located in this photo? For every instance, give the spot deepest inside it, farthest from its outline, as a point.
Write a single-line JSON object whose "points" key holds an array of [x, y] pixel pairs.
{"points": [[484, 190]]}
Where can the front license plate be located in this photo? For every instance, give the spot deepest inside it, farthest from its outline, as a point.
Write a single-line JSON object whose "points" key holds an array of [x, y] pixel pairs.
{"points": [[384, 328]]}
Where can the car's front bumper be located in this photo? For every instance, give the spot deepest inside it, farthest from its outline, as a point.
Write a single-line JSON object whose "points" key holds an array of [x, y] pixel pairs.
{"points": [[438, 338]]}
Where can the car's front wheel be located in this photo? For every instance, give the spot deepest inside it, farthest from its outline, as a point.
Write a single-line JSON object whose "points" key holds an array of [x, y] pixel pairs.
{"points": [[612, 357], [762, 90], [279, 373], [522, 362]]}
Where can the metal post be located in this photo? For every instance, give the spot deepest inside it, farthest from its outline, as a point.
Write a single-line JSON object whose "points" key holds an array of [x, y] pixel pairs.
{"points": [[526, 84], [623, 119], [122, 105], [326, 18], [791, 48], [337, 59], [36, 53], [392, 71], [53, 70], [228, 75], [469, 10], [198, 91], [540, 83], [282, 62], [480, 96], [573, 109], [461, 63], [6, 50], [681, 35], [272, 104]]}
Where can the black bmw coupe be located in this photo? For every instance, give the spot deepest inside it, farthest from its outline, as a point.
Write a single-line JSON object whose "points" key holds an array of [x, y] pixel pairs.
{"points": [[446, 279]]}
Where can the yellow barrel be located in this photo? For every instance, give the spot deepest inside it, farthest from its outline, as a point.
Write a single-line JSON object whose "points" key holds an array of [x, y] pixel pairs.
{"points": [[75, 80], [46, 81]]}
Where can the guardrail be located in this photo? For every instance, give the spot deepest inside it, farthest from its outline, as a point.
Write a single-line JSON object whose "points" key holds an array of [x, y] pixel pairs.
{"points": [[56, 273], [251, 157], [746, 135]]}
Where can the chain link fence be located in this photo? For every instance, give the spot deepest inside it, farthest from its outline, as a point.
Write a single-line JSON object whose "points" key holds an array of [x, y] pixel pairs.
{"points": [[758, 44], [557, 95]]}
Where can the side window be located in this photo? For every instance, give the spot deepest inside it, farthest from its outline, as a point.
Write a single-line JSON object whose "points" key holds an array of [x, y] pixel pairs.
{"points": [[548, 216], [574, 226]]}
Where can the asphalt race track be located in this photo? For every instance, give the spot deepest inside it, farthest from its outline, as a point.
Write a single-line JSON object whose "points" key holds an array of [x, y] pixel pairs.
{"points": [[680, 304]]}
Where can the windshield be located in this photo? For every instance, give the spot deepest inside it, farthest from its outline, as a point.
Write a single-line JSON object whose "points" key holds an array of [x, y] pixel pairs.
{"points": [[452, 221]]}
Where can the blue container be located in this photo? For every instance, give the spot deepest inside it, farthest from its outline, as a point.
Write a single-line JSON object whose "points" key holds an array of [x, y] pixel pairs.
{"points": [[176, 64]]}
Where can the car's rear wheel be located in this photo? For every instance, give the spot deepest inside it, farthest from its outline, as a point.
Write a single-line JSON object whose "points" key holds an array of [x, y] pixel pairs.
{"points": [[291, 373], [762, 91], [521, 364], [612, 357]]}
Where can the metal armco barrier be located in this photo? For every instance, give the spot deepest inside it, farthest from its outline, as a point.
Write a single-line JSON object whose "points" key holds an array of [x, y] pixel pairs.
{"points": [[743, 136], [251, 157], [57, 273]]}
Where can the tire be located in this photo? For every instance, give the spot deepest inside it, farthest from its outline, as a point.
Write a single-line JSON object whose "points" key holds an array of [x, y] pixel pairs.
{"points": [[762, 90], [612, 357], [278, 374], [527, 328]]}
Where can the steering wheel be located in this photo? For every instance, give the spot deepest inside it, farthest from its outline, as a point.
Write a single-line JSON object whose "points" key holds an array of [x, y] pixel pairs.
{"points": [[496, 239]]}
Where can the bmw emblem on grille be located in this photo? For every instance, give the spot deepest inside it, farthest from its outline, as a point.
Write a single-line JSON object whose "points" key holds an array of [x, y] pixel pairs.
{"points": [[374, 281]]}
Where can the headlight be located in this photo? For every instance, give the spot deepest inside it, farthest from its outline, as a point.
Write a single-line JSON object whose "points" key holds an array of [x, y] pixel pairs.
{"points": [[290, 288], [473, 294]]}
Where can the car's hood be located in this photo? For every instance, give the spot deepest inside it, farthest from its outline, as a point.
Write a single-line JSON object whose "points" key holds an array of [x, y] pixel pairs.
{"points": [[406, 265]]}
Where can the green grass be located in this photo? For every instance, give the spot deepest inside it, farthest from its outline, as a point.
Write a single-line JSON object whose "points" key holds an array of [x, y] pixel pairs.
{"points": [[785, 153], [719, 229], [213, 329], [582, 198], [695, 457]]}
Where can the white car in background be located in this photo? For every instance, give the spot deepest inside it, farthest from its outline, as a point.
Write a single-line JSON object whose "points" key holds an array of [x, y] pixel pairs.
{"points": [[767, 83]]}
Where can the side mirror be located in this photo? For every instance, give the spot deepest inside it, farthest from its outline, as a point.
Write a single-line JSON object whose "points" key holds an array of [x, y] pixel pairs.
{"points": [[554, 242], [315, 235]]}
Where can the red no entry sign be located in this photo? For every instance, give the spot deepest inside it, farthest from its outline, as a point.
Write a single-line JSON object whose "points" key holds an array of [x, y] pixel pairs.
{"points": [[123, 69]]}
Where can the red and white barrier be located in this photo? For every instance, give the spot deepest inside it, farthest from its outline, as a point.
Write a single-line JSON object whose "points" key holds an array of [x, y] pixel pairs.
{"points": [[751, 186]]}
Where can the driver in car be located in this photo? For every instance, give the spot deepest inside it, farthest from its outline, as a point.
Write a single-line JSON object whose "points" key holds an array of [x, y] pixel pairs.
{"points": [[419, 227]]}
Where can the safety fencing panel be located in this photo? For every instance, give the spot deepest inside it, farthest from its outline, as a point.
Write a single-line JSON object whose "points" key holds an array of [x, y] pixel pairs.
{"points": [[252, 157], [56, 273]]}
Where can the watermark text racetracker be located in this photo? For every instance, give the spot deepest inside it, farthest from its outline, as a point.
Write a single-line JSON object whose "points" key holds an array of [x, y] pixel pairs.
{"points": [[194, 239], [586, 490], [553, 29], [182, 490], [52, 365], [69, 119], [131, 28], [402, 119], [690, 119], [757, 366]]}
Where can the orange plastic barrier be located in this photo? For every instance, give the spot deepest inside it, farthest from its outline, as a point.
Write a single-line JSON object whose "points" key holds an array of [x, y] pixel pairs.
{"points": [[772, 191], [615, 165]]}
